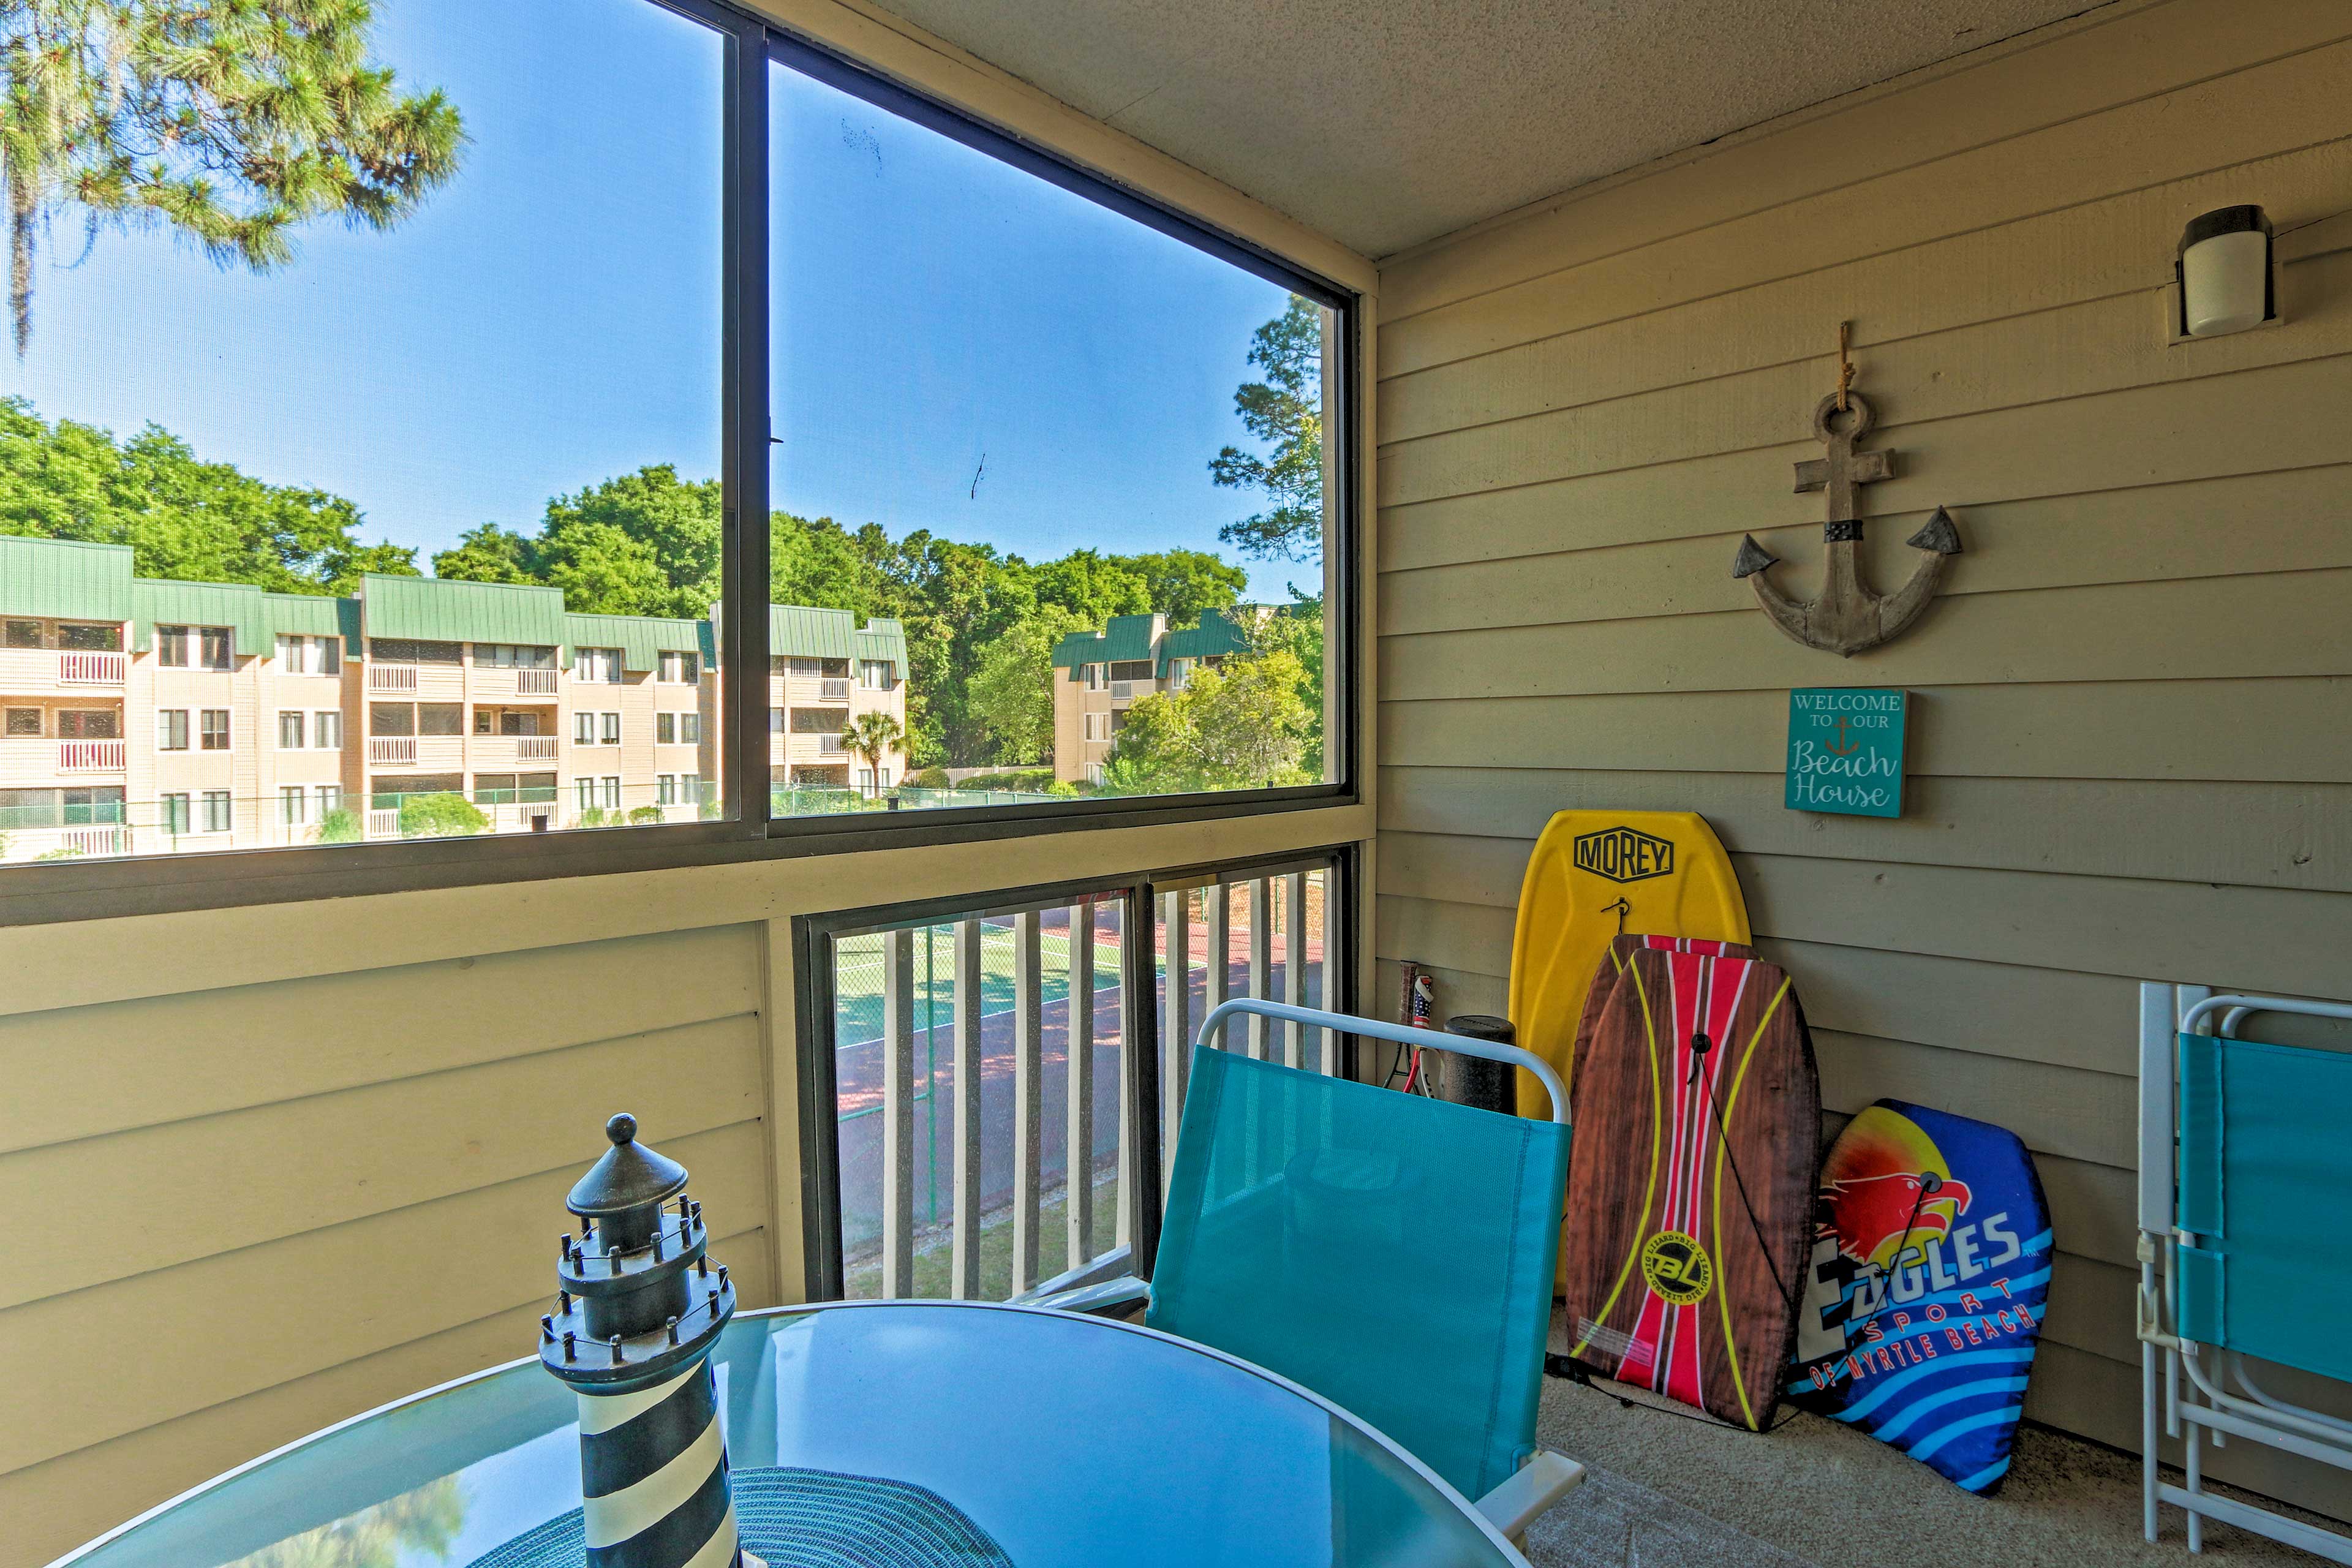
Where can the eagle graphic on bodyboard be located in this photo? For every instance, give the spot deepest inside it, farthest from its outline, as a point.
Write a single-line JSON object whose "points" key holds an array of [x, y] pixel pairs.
{"points": [[1691, 1179]]}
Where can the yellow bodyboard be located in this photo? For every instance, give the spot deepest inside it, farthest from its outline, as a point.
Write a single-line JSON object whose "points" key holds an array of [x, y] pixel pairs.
{"points": [[1667, 865]]}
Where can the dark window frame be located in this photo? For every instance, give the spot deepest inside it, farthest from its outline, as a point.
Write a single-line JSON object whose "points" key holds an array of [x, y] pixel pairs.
{"points": [[33, 893]]}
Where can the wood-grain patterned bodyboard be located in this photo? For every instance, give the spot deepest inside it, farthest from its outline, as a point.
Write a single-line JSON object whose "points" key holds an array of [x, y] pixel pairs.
{"points": [[1690, 1187]]}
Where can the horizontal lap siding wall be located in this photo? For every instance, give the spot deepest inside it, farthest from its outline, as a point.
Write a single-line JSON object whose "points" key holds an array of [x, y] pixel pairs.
{"points": [[264, 1198], [2132, 728]]}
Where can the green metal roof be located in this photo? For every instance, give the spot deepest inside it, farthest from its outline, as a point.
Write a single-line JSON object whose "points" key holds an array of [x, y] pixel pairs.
{"points": [[1216, 634], [65, 578], [1126, 637], [161, 600], [799, 631], [312, 614], [641, 639], [884, 639], [430, 609]]}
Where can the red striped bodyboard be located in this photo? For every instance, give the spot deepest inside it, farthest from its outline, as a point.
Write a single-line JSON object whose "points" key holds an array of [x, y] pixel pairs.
{"points": [[1612, 968], [1689, 1213]]}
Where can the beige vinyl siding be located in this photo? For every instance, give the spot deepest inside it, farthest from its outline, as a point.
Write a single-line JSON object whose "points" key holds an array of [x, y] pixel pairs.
{"points": [[2132, 728]]}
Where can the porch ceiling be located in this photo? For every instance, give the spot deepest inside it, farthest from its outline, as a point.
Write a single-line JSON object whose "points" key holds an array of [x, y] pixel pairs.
{"points": [[1386, 122]]}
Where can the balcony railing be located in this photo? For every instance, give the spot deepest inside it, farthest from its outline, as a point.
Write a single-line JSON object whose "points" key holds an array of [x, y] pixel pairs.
{"points": [[535, 683], [114, 839], [392, 751], [831, 746], [90, 757], [534, 748], [383, 823], [836, 691], [985, 1069], [85, 669], [392, 677]]}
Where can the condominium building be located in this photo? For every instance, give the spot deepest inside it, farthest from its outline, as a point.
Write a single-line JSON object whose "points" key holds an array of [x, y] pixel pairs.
{"points": [[140, 715], [1131, 657]]}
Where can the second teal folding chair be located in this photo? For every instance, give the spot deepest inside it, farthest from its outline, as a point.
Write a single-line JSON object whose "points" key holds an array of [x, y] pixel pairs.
{"points": [[1391, 1252]]}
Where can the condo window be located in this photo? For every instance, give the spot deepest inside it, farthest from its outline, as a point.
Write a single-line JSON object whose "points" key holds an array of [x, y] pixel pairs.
{"points": [[601, 664], [391, 719], [212, 729], [214, 647], [414, 650], [289, 730], [24, 722], [293, 802], [89, 724], [440, 719], [874, 674], [23, 634], [608, 729], [173, 817], [171, 729], [217, 809], [513, 656], [298, 655], [81, 638], [326, 731], [680, 669]]}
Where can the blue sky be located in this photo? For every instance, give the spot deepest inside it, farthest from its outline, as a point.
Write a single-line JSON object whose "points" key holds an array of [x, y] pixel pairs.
{"points": [[551, 317]]}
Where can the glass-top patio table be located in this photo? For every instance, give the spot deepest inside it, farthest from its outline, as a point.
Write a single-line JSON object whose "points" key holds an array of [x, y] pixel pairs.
{"points": [[869, 1433]]}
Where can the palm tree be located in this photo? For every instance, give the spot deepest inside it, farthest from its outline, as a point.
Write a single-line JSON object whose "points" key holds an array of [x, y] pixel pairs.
{"points": [[230, 121], [872, 736]]}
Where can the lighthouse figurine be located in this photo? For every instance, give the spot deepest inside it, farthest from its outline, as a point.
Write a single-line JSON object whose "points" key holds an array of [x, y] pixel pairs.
{"points": [[640, 1308]]}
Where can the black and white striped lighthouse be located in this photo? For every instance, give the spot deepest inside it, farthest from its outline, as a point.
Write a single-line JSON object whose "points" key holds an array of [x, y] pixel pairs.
{"points": [[640, 1308]]}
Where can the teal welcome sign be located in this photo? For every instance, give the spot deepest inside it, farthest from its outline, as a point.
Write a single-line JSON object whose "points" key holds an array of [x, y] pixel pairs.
{"points": [[1846, 751]]}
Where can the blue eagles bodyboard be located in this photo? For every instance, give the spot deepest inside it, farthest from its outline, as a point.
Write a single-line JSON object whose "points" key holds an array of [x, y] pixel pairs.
{"points": [[1926, 1289]]}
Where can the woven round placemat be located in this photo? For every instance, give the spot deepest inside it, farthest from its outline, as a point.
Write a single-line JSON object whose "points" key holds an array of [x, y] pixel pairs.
{"points": [[804, 1519]]}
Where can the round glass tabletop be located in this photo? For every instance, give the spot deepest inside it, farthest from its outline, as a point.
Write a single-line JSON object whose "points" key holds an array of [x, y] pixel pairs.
{"points": [[1054, 1438]]}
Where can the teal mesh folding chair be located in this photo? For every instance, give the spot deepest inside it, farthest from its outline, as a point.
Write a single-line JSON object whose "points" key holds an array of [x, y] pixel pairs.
{"points": [[1391, 1252]]}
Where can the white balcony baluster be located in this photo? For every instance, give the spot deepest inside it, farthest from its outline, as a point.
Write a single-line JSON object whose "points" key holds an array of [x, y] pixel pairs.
{"points": [[90, 757], [965, 1285], [1176, 1033], [897, 1114], [392, 751], [78, 669], [1028, 996], [836, 691], [534, 748], [1078, 1160], [392, 677], [535, 683]]}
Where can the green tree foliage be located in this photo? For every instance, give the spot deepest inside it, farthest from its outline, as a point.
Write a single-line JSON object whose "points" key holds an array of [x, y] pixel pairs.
{"points": [[1298, 629], [340, 826], [1243, 726], [1011, 692], [1182, 584], [230, 122], [445, 815], [181, 517], [1285, 411]]}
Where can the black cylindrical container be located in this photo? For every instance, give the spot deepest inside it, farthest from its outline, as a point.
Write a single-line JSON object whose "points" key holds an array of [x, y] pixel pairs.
{"points": [[1474, 1081]]}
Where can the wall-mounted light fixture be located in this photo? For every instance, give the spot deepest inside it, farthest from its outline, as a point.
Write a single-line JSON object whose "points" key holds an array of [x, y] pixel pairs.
{"points": [[2222, 274]]}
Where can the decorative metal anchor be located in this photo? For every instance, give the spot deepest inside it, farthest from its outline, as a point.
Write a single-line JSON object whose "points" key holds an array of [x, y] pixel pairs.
{"points": [[1848, 616]]}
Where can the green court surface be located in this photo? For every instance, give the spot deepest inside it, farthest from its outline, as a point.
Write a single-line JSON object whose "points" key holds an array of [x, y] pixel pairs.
{"points": [[858, 977]]}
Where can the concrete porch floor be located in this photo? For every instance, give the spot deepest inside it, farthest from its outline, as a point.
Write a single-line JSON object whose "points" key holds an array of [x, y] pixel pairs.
{"points": [[1668, 1492]]}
